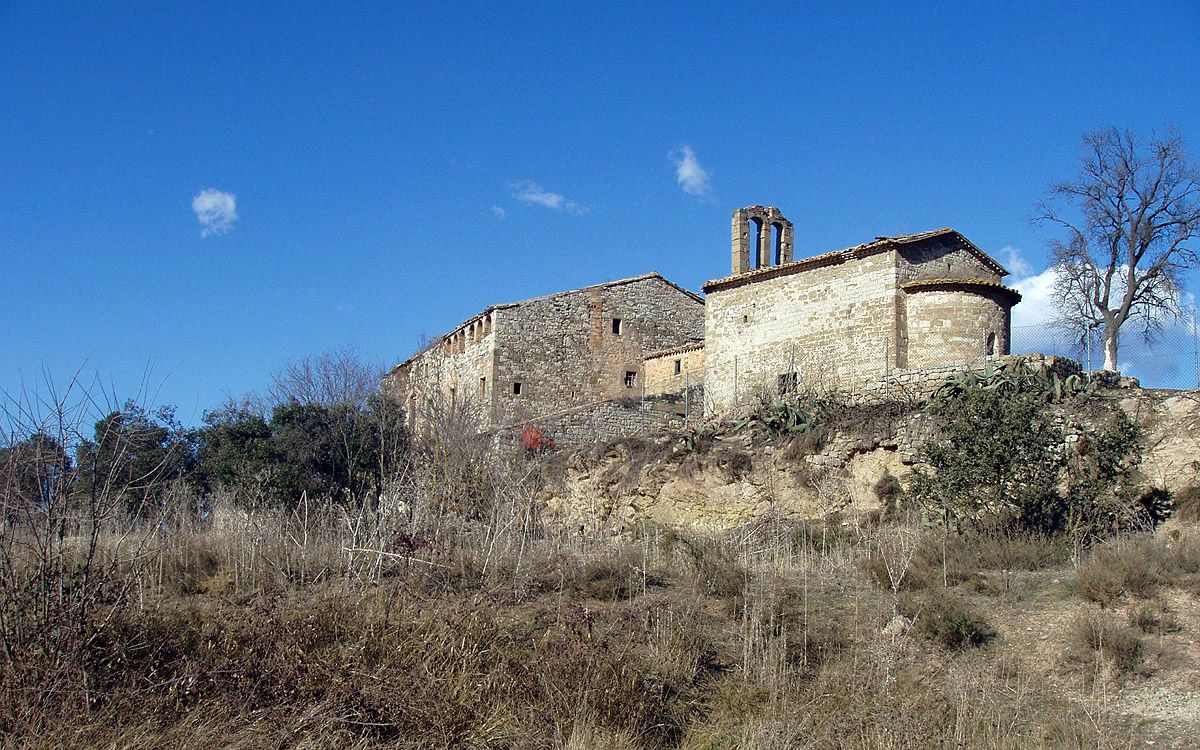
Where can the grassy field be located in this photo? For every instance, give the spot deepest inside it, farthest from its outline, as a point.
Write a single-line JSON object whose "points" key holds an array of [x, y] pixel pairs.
{"points": [[411, 629]]}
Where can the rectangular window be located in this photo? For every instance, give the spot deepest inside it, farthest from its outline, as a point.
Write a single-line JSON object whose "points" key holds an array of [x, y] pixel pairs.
{"points": [[616, 326], [678, 366], [516, 389], [630, 378], [789, 382], [482, 387]]}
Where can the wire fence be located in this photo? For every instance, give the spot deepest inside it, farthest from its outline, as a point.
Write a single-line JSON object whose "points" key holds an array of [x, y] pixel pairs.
{"points": [[1169, 360]]}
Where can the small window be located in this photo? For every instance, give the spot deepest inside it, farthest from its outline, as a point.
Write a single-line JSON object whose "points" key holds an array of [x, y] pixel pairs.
{"points": [[630, 378], [745, 318], [678, 366], [482, 387], [991, 344], [788, 383], [616, 326], [516, 389]]}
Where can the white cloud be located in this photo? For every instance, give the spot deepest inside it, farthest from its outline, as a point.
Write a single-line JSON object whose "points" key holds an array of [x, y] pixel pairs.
{"points": [[528, 191], [499, 212], [1015, 262], [216, 211], [691, 176], [1037, 299]]}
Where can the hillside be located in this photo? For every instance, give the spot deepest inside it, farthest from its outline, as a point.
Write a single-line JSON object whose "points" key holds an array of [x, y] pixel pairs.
{"points": [[759, 583]]}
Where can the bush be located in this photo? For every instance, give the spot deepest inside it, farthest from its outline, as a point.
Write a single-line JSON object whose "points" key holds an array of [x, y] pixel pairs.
{"points": [[1154, 618], [1097, 635], [996, 460], [1110, 571], [950, 622], [1187, 504]]}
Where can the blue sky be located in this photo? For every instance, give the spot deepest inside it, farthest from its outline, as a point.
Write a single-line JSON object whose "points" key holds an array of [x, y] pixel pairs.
{"points": [[398, 167]]}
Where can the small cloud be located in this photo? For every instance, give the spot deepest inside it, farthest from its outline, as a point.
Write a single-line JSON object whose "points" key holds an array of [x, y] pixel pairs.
{"points": [[344, 307], [1016, 262], [691, 176], [499, 213], [528, 191], [216, 211], [1037, 307]]}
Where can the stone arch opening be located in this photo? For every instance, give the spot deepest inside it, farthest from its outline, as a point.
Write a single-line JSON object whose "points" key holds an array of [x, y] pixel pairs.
{"points": [[762, 237]]}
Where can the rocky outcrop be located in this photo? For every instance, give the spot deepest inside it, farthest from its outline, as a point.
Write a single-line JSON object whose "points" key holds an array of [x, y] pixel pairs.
{"points": [[730, 479]]}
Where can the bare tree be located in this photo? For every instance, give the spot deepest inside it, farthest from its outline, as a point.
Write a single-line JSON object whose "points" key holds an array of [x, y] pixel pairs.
{"points": [[1129, 239], [329, 379]]}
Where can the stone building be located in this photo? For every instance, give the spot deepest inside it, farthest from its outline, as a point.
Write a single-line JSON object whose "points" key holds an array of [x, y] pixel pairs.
{"points": [[846, 318], [633, 354], [517, 361]]}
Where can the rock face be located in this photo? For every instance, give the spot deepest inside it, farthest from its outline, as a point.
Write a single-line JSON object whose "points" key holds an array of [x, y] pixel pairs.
{"points": [[728, 486], [732, 480], [1170, 422]]}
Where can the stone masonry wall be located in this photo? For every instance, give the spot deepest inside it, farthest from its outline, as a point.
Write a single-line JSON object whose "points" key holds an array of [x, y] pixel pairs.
{"points": [[946, 327], [458, 368], [674, 370], [833, 325], [608, 420], [566, 350], [941, 259]]}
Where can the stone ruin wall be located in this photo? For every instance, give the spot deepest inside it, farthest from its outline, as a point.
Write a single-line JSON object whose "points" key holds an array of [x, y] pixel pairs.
{"points": [[833, 325], [675, 370], [456, 369], [564, 352]]}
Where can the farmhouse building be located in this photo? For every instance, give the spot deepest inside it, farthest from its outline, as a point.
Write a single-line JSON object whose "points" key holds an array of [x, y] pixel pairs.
{"points": [[844, 319], [518, 361]]}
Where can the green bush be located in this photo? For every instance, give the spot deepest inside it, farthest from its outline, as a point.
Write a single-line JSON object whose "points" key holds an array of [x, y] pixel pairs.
{"points": [[997, 458]]}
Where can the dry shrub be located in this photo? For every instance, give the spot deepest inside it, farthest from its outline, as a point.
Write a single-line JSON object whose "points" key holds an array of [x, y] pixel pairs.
{"points": [[1097, 636], [1187, 504], [946, 619], [1154, 618], [621, 575], [1013, 550], [1136, 566]]}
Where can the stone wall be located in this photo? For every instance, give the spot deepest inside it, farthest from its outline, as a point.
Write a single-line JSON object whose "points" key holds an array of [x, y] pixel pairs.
{"points": [[917, 385], [580, 347], [604, 421], [457, 368], [832, 325], [942, 258], [674, 370], [951, 325]]}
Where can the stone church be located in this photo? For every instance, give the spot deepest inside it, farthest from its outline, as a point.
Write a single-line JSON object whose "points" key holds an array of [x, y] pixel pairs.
{"points": [[630, 355]]}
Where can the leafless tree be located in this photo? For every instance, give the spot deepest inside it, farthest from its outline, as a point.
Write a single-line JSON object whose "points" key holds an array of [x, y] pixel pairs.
{"points": [[328, 379], [1129, 237]]}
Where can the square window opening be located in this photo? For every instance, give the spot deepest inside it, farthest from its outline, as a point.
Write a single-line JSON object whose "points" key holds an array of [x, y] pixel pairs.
{"points": [[516, 389], [789, 382], [630, 378]]}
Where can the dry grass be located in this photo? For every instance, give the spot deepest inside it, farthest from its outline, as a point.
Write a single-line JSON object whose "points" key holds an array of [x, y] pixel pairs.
{"points": [[403, 625]]}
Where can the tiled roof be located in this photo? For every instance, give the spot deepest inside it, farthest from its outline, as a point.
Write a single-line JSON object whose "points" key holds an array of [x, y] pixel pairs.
{"points": [[878, 245], [918, 285], [690, 347]]}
